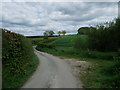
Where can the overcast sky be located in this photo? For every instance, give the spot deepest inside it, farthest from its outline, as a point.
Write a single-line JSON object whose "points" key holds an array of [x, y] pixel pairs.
{"points": [[33, 18]]}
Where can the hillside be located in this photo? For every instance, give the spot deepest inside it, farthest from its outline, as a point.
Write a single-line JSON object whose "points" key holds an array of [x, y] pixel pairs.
{"points": [[65, 41]]}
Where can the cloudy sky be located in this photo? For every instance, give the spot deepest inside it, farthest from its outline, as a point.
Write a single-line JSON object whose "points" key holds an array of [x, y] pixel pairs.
{"points": [[33, 18]]}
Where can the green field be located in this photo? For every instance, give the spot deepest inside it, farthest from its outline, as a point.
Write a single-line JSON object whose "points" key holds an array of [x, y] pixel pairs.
{"points": [[95, 77], [35, 41], [65, 41], [65, 46]]}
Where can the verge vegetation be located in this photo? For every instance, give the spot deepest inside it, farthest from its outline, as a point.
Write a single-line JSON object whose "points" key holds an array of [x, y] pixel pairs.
{"points": [[18, 59]]}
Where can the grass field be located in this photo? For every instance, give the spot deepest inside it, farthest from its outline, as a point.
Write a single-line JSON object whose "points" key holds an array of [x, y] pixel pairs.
{"points": [[65, 46], [65, 41], [94, 77], [35, 41]]}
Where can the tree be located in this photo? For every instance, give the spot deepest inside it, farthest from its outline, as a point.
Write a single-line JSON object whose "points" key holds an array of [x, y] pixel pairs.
{"points": [[83, 30], [63, 32], [46, 34], [51, 33], [59, 32], [106, 37]]}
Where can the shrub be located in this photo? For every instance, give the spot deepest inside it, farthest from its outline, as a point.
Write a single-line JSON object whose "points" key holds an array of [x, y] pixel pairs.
{"points": [[17, 56], [106, 37], [81, 42], [44, 45]]}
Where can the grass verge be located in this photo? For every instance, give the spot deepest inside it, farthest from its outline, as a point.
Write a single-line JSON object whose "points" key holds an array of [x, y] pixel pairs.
{"points": [[92, 77], [16, 81], [75, 53], [103, 74]]}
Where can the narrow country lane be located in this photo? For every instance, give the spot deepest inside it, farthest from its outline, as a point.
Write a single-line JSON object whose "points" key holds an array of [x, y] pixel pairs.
{"points": [[52, 72]]}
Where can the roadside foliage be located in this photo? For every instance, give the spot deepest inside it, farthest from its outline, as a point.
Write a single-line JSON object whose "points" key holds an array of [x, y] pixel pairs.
{"points": [[17, 58]]}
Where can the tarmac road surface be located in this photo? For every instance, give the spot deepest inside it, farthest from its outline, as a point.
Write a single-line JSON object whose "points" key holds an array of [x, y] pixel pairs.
{"points": [[52, 72]]}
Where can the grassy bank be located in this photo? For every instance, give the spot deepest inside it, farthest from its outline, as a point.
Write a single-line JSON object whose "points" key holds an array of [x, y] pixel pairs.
{"points": [[16, 81], [35, 41], [18, 59], [102, 74], [74, 53]]}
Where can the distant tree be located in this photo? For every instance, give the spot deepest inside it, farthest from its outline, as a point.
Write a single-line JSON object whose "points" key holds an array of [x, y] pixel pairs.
{"points": [[59, 32], [63, 32], [83, 30], [51, 33], [46, 34]]}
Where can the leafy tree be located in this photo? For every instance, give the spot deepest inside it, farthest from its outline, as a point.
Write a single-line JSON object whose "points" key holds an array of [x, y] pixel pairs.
{"points": [[51, 33], [84, 30], [63, 32], [59, 32], [106, 37], [46, 34]]}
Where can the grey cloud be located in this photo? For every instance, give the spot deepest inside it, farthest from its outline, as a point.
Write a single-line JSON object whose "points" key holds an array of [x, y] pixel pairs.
{"points": [[83, 13], [34, 18], [21, 15]]}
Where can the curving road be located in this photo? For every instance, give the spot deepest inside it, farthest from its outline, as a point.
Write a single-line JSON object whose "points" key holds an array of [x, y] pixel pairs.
{"points": [[52, 72]]}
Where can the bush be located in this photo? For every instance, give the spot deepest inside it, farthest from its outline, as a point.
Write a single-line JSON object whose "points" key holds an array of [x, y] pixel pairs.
{"points": [[81, 42], [36, 41], [17, 56], [44, 45], [106, 37]]}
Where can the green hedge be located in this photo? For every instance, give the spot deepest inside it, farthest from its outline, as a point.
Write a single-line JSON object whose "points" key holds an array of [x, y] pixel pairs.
{"points": [[17, 59], [44, 45]]}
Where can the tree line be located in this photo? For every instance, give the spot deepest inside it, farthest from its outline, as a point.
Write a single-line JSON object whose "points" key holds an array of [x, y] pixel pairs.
{"points": [[103, 37], [51, 33]]}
